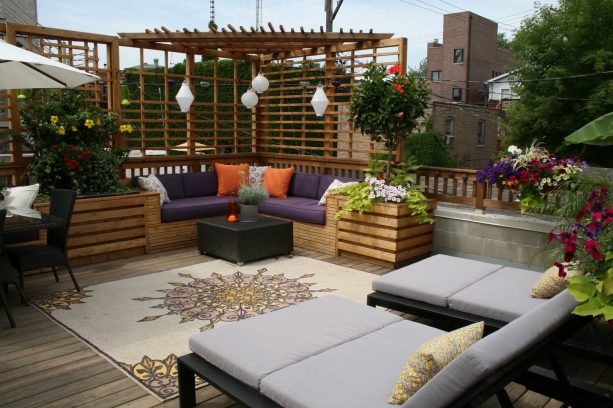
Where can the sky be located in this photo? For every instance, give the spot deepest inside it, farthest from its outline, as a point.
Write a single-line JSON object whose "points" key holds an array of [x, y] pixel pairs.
{"points": [[420, 21]]}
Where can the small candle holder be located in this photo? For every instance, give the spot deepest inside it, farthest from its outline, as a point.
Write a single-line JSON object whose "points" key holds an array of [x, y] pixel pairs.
{"points": [[232, 212]]}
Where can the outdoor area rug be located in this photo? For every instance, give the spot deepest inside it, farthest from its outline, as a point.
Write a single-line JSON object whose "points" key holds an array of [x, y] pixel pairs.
{"points": [[142, 324]]}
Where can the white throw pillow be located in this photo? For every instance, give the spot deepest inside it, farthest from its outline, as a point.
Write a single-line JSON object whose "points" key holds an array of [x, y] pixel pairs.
{"points": [[335, 184], [256, 175], [154, 185], [20, 198]]}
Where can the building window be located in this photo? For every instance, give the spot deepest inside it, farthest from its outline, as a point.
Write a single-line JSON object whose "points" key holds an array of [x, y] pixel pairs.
{"points": [[437, 75], [458, 55], [449, 132], [505, 93], [456, 94], [481, 133]]}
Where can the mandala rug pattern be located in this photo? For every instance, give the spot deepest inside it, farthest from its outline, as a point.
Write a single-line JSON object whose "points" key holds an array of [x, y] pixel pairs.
{"points": [[118, 321]]}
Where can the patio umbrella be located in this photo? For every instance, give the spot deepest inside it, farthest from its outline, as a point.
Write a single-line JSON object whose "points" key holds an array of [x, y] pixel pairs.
{"points": [[199, 147], [22, 69]]}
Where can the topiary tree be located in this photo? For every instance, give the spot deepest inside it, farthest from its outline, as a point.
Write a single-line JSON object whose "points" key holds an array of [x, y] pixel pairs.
{"points": [[387, 104]]}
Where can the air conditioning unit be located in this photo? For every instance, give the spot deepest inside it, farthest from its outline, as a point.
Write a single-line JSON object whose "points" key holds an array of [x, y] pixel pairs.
{"points": [[449, 140]]}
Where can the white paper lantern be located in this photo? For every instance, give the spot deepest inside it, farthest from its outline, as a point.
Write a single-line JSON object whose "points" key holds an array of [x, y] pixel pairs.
{"points": [[185, 97], [259, 83], [320, 101], [249, 98]]}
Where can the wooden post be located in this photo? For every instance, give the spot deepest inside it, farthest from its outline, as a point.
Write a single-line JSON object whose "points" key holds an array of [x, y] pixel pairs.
{"points": [[191, 115], [328, 116], [215, 103], [114, 88], [479, 196], [402, 62], [14, 122], [257, 116], [235, 106]]}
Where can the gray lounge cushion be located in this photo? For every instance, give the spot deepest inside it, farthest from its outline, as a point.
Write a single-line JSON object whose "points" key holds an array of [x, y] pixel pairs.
{"points": [[433, 280], [503, 295], [287, 336], [494, 352], [359, 373]]}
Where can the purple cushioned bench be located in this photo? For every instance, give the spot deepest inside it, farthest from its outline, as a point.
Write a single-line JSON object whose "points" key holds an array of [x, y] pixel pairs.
{"points": [[194, 195]]}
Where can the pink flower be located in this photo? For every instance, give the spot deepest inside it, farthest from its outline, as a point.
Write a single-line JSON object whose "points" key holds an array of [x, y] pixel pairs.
{"points": [[591, 247], [561, 268]]}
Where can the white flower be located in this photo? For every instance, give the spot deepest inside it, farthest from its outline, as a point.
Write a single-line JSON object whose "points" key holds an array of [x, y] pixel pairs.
{"points": [[514, 150]]}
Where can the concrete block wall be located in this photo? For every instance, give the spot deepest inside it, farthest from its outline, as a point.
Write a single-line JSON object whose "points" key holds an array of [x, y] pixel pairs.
{"points": [[515, 240]]}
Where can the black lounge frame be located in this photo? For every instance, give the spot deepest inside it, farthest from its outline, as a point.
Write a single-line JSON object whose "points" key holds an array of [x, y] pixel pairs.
{"points": [[601, 354], [554, 383]]}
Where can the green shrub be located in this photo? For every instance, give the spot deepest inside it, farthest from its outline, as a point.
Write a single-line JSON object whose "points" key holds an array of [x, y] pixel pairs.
{"points": [[427, 149]]}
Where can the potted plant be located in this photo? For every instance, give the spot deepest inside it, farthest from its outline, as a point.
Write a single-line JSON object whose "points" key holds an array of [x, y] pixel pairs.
{"points": [[532, 173], [249, 198], [71, 143], [387, 105], [586, 240]]}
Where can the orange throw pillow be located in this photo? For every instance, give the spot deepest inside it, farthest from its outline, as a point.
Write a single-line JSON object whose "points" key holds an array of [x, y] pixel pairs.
{"points": [[276, 181], [229, 178]]}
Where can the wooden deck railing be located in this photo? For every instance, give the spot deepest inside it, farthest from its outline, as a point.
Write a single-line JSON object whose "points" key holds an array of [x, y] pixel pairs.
{"points": [[457, 186]]}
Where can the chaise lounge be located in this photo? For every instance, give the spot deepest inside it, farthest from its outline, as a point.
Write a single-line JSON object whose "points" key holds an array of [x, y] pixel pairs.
{"points": [[463, 291], [331, 352]]}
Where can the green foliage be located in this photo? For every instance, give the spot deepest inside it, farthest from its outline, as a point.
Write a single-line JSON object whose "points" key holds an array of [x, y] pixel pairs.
{"points": [[358, 199], [571, 39], [598, 132], [252, 195], [427, 149], [421, 70], [70, 140], [503, 42]]}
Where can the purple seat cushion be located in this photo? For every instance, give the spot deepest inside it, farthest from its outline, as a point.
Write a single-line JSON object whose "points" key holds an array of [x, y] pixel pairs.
{"points": [[304, 185], [295, 208], [325, 181], [200, 184], [173, 183], [195, 207]]}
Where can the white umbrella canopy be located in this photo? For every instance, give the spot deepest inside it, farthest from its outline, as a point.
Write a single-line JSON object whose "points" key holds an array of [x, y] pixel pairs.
{"points": [[22, 69]]}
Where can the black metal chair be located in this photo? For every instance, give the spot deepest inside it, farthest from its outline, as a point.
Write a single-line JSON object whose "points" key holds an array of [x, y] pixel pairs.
{"points": [[55, 252], [7, 273]]}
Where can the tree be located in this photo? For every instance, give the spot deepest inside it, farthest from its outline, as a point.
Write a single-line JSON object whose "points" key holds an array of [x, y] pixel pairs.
{"points": [[421, 70], [503, 42], [573, 39]]}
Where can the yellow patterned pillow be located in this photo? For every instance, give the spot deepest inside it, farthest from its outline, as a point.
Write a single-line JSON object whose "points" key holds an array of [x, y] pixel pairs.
{"points": [[430, 358], [550, 284]]}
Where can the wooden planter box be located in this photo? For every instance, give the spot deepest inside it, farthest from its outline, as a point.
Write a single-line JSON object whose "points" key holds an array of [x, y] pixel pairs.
{"points": [[387, 235], [105, 228]]}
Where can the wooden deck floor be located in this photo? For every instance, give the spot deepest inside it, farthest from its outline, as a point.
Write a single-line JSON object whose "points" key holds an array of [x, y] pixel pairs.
{"points": [[43, 365]]}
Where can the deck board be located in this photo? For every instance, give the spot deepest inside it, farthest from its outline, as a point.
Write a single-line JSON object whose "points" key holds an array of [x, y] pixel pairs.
{"points": [[43, 365]]}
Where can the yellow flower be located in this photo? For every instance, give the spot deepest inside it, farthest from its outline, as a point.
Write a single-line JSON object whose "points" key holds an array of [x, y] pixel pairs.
{"points": [[122, 128], [129, 128], [74, 128], [89, 123], [61, 131], [54, 119]]}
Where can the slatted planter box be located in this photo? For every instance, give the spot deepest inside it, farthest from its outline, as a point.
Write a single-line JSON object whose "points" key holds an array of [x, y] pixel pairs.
{"points": [[105, 228], [387, 235]]}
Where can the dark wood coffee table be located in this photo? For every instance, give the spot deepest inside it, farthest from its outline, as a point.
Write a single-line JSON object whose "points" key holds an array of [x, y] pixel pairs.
{"points": [[240, 242]]}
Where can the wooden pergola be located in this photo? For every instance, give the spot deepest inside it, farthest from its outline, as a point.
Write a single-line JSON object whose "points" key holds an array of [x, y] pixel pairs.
{"points": [[281, 130]]}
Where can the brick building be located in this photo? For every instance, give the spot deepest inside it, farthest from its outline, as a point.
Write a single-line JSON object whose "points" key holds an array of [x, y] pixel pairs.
{"points": [[470, 132], [468, 56]]}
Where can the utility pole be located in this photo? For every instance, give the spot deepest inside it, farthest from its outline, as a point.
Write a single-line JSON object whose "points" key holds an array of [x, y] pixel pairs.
{"points": [[258, 13], [331, 13]]}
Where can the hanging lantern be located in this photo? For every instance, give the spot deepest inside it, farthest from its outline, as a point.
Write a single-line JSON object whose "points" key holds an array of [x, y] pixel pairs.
{"points": [[249, 98], [185, 97], [259, 83], [125, 95], [320, 101]]}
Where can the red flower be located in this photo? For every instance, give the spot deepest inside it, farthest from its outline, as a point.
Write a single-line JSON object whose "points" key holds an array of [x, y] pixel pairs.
{"points": [[591, 247], [398, 87], [561, 268], [394, 70], [400, 114], [551, 237]]}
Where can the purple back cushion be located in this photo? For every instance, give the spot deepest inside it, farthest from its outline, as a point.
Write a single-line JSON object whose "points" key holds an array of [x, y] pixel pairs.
{"points": [[325, 181], [200, 184], [173, 183], [304, 185]]}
